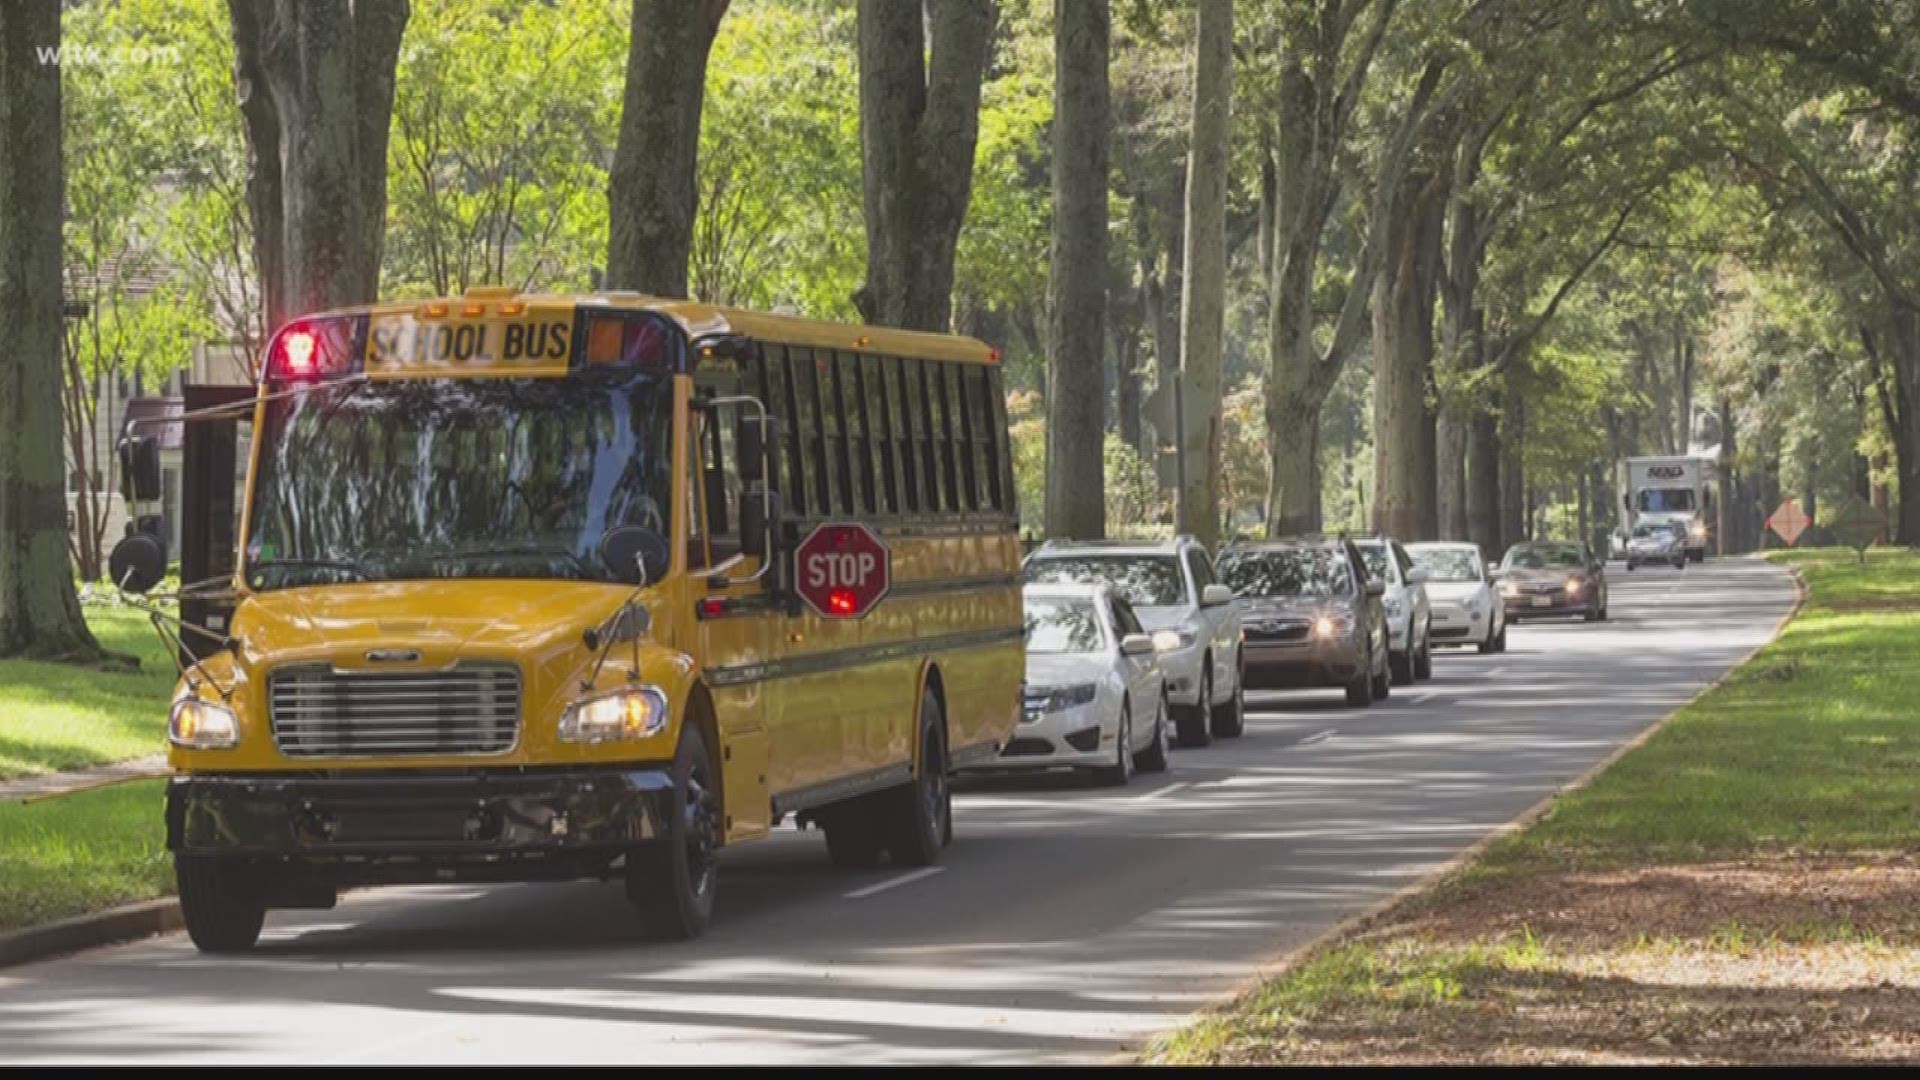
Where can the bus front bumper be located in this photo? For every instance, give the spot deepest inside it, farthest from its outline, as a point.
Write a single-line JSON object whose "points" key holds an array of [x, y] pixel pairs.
{"points": [[422, 818]]}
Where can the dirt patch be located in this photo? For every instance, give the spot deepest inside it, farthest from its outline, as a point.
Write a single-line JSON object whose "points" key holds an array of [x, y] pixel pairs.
{"points": [[1805, 960]]}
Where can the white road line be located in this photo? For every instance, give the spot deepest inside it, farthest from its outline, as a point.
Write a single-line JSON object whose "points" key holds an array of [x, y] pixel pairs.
{"points": [[1496, 672], [890, 883], [1426, 697], [1169, 789], [1316, 737]]}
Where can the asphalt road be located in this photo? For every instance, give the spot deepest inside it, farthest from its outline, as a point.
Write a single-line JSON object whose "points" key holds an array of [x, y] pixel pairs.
{"points": [[1067, 922]]}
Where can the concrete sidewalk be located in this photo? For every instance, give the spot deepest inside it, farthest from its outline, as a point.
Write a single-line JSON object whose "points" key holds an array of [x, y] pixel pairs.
{"points": [[47, 785]]}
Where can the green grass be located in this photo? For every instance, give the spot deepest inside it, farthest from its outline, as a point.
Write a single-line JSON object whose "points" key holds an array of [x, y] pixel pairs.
{"points": [[81, 853], [1812, 746], [60, 716]]}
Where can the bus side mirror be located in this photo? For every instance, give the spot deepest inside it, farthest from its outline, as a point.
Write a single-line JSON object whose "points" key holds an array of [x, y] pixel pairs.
{"points": [[137, 563], [752, 439], [759, 511], [140, 468], [634, 555]]}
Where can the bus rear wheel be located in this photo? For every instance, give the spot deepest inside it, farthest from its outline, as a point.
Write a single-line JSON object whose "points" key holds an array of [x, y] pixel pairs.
{"points": [[220, 902], [672, 880], [919, 815]]}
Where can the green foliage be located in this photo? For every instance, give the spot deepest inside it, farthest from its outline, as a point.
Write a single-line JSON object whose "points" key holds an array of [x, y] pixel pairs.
{"points": [[1135, 504]]}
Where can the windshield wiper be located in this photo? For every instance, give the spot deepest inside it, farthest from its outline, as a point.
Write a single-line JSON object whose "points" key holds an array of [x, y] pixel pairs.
{"points": [[526, 551], [346, 565]]}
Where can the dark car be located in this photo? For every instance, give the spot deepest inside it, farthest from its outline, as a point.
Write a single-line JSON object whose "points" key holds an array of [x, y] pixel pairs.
{"points": [[1312, 616], [1553, 577]]}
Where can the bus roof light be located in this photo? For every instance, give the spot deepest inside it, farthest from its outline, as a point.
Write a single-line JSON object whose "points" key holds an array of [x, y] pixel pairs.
{"points": [[297, 347], [315, 349]]}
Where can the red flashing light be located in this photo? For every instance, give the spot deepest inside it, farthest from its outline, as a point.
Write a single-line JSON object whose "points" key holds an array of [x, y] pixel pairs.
{"points": [[841, 601], [296, 346], [712, 607]]}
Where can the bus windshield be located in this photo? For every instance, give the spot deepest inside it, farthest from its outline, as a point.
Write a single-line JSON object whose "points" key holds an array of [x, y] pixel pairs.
{"points": [[467, 478], [1666, 500]]}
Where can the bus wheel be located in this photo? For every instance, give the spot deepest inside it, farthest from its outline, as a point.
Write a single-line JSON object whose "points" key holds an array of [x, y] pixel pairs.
{"points": [[219, 902], [672, 879], [853, 838], [919, 815]]}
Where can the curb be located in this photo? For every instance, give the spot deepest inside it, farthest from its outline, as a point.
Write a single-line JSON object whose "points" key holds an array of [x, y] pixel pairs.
{"points": [[124, 923], [1353, 924]]}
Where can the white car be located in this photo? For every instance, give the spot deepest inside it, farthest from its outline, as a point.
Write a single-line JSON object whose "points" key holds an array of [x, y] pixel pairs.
{"points": [[1467, 608], [1094, 698], [1409, 612], [1194, 621]]}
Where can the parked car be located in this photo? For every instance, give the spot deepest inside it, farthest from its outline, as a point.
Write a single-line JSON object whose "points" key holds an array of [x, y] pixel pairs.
{"points": [[1409, 610], [1193, 619], [1553, 577], [1095, 697], [1467, 609], [1657, 542], [1312, 614]]}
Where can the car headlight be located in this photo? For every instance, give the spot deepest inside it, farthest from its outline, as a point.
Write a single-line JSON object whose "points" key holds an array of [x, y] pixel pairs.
{"points": [[636, 712], [201, 725], [1332, 626], [1171, 640], [1474, 606], [1574, 585], [1698, 530], [1509, 588], [1065, 697]]}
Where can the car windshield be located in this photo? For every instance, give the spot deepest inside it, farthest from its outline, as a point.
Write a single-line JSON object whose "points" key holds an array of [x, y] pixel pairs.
{"points": [[1061, 625], [457, 478], [1544, 557], [1145, 580], [1311, 573], [1375, 556], [1447, 563], [1666, 500]]}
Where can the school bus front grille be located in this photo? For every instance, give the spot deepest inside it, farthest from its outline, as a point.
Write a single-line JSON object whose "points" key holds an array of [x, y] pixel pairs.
{"points": [[319, 711]]}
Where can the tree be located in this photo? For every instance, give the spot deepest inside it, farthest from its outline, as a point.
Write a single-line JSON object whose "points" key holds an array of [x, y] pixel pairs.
{"points": [[919, 119], [316, 80], [650, 195], [1203, 295], [1077, 301], [39, 611]]}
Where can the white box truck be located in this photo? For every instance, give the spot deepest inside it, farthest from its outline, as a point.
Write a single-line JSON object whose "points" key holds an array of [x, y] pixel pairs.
{"points": [[1676, 490]]}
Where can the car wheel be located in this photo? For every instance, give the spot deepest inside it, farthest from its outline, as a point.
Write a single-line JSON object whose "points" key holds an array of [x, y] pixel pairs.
{"points": [[1230, 717], [1400, 665], [1500, 643], [1121, 771], [1492, 640], [1360, 690], [1195, 723], [1423, 660], [672, 880], [920, 815], [1154, 757], [1383, 679], [220, 901], [1631, 565]]}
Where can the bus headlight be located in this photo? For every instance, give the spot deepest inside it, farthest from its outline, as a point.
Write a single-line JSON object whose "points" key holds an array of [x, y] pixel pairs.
{"points": [[637, 712], [201, 725]]}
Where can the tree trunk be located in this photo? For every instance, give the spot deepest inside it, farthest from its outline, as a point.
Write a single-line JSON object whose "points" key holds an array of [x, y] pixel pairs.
{"points": [[1076, 485], [1292, 403], [651, 198], [1483, 484], [1203, 296], [39, 612], [1904, 346], [1683, 394], [1513, 486], [1123, 330], [315, 81], [919, 120], [1729, 527], [1405, 477]]}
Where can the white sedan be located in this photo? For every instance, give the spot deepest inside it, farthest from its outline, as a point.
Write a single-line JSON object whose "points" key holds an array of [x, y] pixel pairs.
{"points": [[1095, 697], [1467, 609]]}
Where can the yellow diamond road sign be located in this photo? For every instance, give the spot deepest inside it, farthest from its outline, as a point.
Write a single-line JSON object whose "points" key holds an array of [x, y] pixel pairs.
{"points": [[1789, 521]]}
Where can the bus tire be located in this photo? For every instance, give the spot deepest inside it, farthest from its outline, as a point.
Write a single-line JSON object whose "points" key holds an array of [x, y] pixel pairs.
{"points": [[918, 816], [673, 879], [219, 902], [853, 840]]}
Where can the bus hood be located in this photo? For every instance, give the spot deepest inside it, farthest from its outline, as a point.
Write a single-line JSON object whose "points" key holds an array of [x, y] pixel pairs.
{"points": [[441, 619]]}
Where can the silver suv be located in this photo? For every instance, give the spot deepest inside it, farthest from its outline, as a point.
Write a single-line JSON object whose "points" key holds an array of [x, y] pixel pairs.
{"points": [[1409, 612], [1194, 620]]}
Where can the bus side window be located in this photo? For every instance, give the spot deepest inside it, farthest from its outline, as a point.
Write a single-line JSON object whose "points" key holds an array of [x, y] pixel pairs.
{"points": [[947, 432], [880, 432], [720, 484], [807, 423], [853, 394], [906, 428], [1003, 463], [921, 377]]}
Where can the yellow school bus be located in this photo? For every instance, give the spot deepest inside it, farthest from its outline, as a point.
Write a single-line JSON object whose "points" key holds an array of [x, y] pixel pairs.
{"points": [[513, 597]]}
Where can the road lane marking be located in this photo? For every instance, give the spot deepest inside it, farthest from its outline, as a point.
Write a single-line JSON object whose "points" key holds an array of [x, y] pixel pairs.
{"points": [[1495, 672], [1426, 697], [1178, 785], [890, 883], [1318, 736]]}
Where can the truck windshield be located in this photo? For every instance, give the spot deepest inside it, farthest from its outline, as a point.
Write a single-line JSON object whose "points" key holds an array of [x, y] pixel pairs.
{"points": [[1666, 500], [466, 478]]}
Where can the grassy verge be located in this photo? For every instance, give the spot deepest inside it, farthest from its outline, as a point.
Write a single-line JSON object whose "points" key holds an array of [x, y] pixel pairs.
{"points": [[1738, 889], [81, 853], [58, 716]]}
